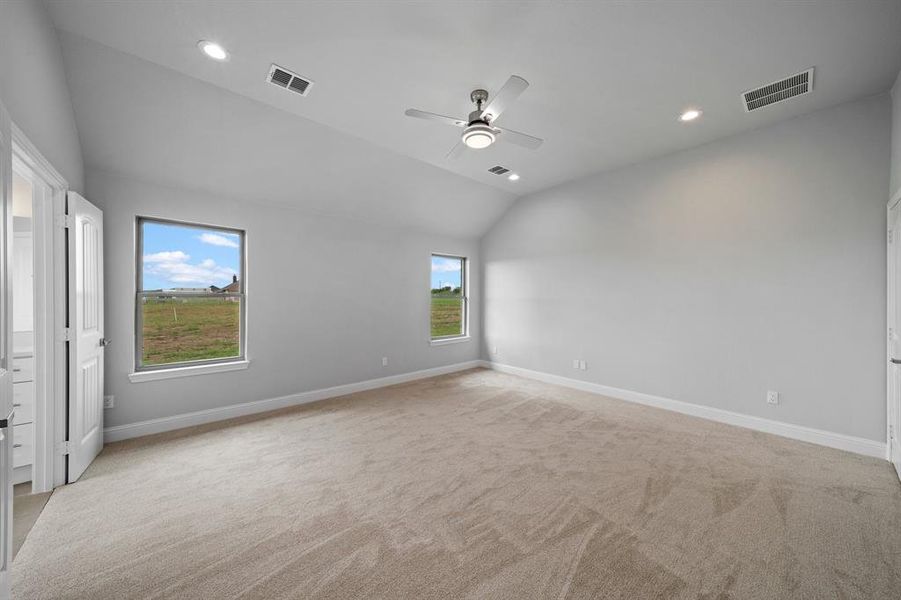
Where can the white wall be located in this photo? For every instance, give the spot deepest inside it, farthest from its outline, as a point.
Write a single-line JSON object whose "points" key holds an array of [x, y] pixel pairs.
{"points": [[33, 86], [712, 275], [327, 298]]}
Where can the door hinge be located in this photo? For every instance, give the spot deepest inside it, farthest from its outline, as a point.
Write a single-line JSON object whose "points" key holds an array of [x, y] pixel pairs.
{"points": [[65, 334], [65, 221], [64, 448]]}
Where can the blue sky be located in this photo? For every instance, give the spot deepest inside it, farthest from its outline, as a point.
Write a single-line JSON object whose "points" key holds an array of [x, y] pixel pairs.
{"points": [[445, 271], [178, 256]]}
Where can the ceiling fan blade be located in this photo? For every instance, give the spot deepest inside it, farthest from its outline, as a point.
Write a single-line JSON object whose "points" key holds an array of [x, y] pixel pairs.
{"points": [[502, 100], [520, 139], [421, 114], [456, 151]]}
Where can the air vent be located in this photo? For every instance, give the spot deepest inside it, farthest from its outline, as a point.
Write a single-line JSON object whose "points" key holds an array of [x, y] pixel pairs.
{"points": [[778, 91], [284, 78], [498, 170]]}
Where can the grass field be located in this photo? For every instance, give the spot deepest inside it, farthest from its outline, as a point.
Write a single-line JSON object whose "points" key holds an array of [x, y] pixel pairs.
{"points": [[447, 315], [184, 329], [177, 330]]}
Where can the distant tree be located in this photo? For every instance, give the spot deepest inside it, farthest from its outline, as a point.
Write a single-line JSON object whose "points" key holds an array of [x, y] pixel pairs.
{"points": [[457, 290]]}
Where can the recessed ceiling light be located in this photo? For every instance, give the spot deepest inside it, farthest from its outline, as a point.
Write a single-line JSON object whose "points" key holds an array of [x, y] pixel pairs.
{"points": [[213, 50], [513, 177], [690, 115]]}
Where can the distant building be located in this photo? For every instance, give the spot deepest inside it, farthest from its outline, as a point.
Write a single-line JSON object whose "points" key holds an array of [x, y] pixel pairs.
{"points": [[233, 288], [170, 293]]}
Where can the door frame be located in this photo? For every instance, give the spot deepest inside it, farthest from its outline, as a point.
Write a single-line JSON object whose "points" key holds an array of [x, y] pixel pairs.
{"points": [[50, 318]]}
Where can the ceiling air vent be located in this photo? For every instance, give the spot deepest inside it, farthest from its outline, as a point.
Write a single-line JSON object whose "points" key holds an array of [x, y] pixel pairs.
{"points": [[284, 78], [498, 170], [778, 91]]}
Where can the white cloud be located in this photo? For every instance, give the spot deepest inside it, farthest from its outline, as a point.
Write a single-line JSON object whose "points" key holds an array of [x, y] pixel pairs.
{"points": [[445, 265], [215, 239], [175, 270], [165, 257]]}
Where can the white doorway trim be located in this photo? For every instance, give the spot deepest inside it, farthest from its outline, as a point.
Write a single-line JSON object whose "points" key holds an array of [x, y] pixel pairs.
{"points": [[51, 384], [893, 396]]}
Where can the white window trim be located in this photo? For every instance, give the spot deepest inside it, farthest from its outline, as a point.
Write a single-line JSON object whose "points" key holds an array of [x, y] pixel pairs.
{"points": [[188, 371], [463, 337], [451, 340], [188, 368]]}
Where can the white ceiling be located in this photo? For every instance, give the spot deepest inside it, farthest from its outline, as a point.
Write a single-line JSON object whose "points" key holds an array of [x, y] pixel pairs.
{"points": [[608, 79], [157, 125]]}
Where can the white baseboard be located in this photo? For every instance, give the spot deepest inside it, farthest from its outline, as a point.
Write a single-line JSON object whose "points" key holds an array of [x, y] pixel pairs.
{"points": [[797, 432], [141, 428]]}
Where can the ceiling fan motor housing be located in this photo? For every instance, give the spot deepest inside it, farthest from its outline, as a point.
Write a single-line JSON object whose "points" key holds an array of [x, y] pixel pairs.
{"points": [[478, 96]]}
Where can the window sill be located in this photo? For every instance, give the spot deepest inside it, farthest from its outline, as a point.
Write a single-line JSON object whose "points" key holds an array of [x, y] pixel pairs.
{"points": [[142, 376], [453, 340]]}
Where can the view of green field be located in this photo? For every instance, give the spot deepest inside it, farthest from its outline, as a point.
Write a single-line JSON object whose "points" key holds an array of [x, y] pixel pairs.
{"points": [[447, 314], [186, 329], [183, 329]]}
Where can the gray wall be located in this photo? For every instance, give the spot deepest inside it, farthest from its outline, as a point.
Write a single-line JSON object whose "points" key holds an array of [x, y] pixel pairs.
{"points": [[33, 86], [712, 275], [327, 298], [896, 137]]}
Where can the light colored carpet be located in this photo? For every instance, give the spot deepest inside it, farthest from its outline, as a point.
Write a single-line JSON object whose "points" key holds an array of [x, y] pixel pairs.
{"points": [[473, 485], [27, 508]]}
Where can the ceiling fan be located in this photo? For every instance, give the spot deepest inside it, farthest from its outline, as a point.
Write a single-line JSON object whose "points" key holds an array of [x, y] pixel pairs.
{"points": [[479, 130]]}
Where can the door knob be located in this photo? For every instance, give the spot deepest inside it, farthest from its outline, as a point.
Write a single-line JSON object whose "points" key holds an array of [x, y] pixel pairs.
{"points": [[895, 361], [105, 341]]}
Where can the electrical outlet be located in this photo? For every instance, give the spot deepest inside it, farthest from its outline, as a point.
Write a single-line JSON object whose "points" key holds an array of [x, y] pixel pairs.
{"points": [[583, 365], [772, 397], [575, 363], [384, 361], [109, 401]]}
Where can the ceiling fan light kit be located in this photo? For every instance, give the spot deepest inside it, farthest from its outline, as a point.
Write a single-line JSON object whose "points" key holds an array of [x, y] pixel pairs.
{"points": [[478, 135]]}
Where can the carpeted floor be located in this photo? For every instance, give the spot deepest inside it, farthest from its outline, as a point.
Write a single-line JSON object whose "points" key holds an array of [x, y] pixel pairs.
{"points": [[26, 509], [473, 485]]}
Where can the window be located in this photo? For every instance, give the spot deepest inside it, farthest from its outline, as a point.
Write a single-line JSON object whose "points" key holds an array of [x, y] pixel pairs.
{"points": [[190, 304], [449, 297]]}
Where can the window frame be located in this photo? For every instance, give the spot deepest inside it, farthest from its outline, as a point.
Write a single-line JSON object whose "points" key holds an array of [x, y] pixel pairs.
{"points": [[188, 367], [464, 296]]}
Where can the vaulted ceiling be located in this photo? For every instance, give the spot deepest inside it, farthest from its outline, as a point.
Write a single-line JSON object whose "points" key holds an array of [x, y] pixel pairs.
{"points": [[608, 80]]}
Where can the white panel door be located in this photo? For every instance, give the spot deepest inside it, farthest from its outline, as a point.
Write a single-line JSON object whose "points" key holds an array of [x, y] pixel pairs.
{"points": [[6, 344], [86, 342], [894, 342]]}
